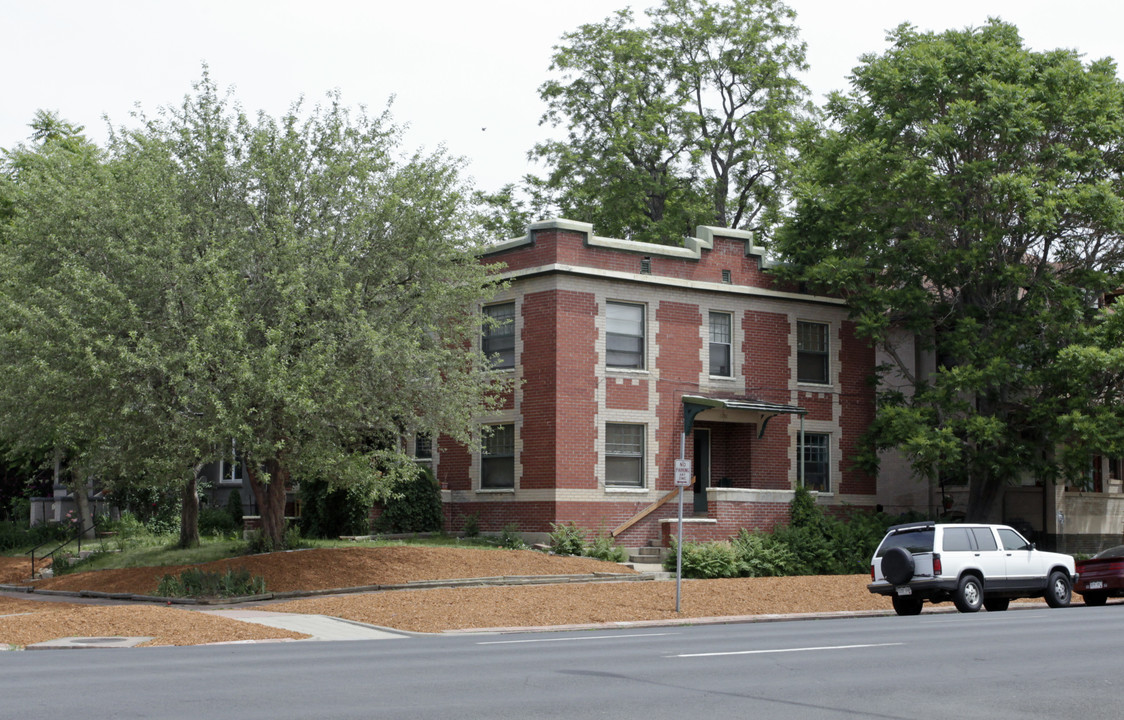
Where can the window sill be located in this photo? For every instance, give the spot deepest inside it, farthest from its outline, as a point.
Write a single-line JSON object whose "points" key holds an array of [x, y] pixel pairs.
{"points": [[727, 378], [625, 490], [628, 371], [495, 491]]}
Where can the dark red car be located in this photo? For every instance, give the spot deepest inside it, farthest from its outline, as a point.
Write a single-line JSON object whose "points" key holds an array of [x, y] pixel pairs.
{"points": [[1101, 576]]}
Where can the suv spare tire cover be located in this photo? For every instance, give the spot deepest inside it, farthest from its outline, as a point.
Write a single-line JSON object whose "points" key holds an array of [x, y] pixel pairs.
{"points": [[897, 566]]}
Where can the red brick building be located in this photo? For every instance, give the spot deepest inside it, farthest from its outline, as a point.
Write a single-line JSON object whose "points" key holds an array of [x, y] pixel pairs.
{"points": [[617, 346]]}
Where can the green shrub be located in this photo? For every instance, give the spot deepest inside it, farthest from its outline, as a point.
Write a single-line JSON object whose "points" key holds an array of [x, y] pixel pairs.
{"points": [[509, 538], [566, 539], [126, 526], [760, 554], [705, 560], [605, 548], [415, 505], [12, 535], [802, 510], [234, 507], [471, 525], [328, 512], [201, 583], [216, 521]]}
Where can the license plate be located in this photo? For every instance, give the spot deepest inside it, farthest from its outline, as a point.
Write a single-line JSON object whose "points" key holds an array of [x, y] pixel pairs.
{"points": [[1095, 585], [904, 590]]}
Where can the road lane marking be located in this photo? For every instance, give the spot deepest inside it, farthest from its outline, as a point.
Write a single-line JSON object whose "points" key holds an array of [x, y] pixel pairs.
{"points": [[572, 639], [784, 650]]}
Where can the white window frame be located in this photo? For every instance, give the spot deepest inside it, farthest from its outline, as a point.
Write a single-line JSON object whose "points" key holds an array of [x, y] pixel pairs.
{"points": [[230, 471], [728, 344], [499, 332], [632, 453], [822, 446], [821, 355], [612, 324], [503, 441]]}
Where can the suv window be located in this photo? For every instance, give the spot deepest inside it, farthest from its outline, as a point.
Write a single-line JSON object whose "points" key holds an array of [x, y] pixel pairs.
{"points": [[915, 541], [956, 539], [985, 539], [1012, 540]]}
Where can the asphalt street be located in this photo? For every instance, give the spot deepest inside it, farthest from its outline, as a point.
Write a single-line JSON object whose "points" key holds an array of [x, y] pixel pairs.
{"points": [[1016, 664]]}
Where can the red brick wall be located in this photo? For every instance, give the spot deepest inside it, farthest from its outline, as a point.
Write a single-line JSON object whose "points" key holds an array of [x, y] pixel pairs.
{"points": [[679, 363], [626, 393]]}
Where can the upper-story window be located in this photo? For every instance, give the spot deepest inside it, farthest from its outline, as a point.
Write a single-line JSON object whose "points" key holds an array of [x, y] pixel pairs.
{"points": [[498, 338], [423, 447], [812, 364], [624, 335], [720, 345]]}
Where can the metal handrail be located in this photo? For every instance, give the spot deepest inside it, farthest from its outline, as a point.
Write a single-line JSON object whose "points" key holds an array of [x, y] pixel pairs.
{"points": [[76, 536]]}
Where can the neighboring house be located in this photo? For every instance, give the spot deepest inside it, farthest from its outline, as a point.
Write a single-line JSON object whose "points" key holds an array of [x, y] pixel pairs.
{"points": [[616, 348], [1076, 517]]}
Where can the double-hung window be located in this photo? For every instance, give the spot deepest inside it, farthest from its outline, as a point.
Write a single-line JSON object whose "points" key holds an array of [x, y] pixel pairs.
{"points": [[624, 455], [423, 447], [624, 335], [812, 364], [720, 345], [498, 339], [497, 459], [231, 470], [816, 453]]}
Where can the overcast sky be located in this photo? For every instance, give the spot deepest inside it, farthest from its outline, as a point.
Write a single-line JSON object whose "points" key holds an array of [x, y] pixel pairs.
{"points": [[465, 74]]}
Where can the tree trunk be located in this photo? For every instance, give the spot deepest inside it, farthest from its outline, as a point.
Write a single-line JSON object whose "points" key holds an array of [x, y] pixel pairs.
{"points": [[189, 512], [271, 500], [79, 488]]}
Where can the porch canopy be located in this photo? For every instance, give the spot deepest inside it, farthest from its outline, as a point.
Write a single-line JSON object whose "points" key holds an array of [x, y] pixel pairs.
{"points": [[738, 410]]}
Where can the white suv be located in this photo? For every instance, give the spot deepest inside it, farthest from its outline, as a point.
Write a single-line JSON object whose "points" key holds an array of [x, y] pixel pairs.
{"points": [[972, 565]]}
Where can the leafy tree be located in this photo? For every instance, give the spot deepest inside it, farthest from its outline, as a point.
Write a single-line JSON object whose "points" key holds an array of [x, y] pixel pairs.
{"points": [[291, 283], [682, 120], [968, 192]]}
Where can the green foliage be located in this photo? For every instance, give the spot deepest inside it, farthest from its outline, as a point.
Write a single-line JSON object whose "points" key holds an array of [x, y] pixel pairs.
{"points": [[234, 507], [510, 539], [216, 521], [12, 535], [705, 560], [204, 584], [298, 284], [126, 526], [471, 525], [761, 554], [802, 510], [1007, 221], [666, 126], [566, 539], [605, 548], [328, 512], [413, 504]]}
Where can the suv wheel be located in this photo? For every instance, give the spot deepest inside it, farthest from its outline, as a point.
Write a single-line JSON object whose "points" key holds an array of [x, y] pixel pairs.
{"points": [[897, 566], [969, 594], [907, 605], [1058, 590]]}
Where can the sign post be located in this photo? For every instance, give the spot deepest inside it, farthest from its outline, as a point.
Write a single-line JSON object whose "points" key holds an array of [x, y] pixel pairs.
{"points": [[682, 480]]}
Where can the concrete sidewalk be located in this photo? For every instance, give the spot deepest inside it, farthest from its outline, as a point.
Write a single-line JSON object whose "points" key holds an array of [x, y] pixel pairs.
{"points": [[320, 627]]}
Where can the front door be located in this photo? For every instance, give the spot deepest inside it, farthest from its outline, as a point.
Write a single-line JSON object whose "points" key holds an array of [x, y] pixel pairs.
{"points": [[702, 469]]}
